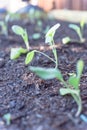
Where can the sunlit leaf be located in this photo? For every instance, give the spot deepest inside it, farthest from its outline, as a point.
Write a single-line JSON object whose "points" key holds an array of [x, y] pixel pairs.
{"points": [[50, 34], [16, 52], [77, 29], [22, 32], [66, 40], [80, 66], [74, 81], [17, 30], [29, 57], [74, 27]]}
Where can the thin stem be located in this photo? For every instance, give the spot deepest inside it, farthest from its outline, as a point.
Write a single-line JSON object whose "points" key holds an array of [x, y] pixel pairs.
{"points": [[79, 103], [79, 106], [55, 54], [27, 45], [46, 56]]}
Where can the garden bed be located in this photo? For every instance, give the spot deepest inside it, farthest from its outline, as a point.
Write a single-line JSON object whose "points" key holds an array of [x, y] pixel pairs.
{"points": [[35, 104]]}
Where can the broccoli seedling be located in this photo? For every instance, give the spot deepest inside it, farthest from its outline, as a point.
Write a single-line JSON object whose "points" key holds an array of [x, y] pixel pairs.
{"points": [[50, 40], [23, 33], [71, 86], [16, 52], [78, 30]]}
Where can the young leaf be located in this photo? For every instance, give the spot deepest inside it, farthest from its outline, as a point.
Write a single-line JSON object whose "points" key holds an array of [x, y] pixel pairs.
{"points": [[74, 27], [80, 66], [77, 29], [74, 82], [22, 32], [45, 73], [64, 91], [66, 40], [50, 34], [29, 57], [16, 52], [17, 30]]}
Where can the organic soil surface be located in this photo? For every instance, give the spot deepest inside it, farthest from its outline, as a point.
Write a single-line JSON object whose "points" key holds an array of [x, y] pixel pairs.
{"points": [[35, 104]]}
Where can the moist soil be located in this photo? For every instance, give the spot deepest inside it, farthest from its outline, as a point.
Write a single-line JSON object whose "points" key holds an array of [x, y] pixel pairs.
{"points": [[35, 104]]}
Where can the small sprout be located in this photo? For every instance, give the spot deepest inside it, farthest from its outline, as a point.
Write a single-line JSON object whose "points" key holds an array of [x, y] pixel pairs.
{"points": [[78, 30], [50, 34], [7, 118], [74, 82], [16, 52], [23, 33], [71, 86], [49, 38], [66, 40]]}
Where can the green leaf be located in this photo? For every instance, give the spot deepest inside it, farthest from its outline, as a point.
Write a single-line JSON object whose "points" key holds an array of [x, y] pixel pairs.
{"points": [[22, 32], [74, 82], [65, 91], [77, 29], [29, 57], [75, 79], [17, 30], [80, 66], [50, 34], [46, 73], [16, 52], [75, 93], [66, 40], [74, 27], [49, 40]]}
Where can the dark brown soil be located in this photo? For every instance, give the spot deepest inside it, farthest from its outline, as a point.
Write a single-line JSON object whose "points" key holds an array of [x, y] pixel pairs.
{"points": [[35, 104]]}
